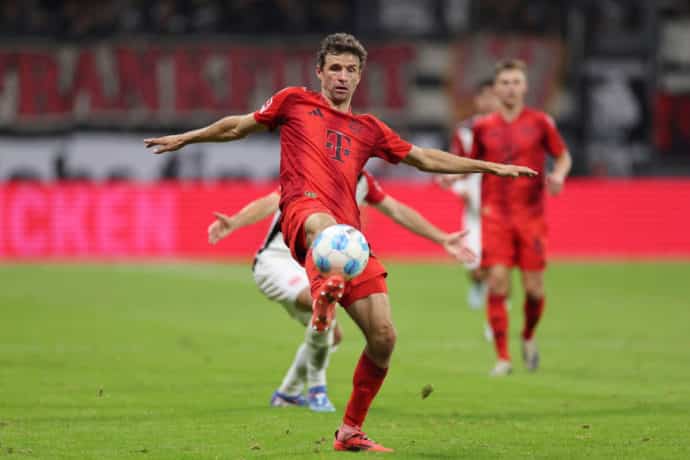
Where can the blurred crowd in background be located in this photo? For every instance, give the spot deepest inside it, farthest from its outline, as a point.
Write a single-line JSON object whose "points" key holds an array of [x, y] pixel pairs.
{"points": [[76, 19]]}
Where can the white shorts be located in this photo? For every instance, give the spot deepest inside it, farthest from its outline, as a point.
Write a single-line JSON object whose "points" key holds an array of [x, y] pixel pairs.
{"points": [[281, 279], [470, 189]]}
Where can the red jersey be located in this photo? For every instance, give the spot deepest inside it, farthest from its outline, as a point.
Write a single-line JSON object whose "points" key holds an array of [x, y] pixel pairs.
{"points": [[525, 141], [323, 150]]}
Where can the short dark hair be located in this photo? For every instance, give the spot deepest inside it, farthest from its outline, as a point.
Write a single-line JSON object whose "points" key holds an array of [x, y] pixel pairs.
{"points": [[510, 64], [338, 44]]}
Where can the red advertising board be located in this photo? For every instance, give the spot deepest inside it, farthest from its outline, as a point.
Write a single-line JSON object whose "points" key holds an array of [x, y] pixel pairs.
{"points": [[592, 219]]}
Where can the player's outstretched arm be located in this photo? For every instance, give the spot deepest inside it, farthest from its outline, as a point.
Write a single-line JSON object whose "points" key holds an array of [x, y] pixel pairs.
{"points": [[226, 129], [416, 223], [253, 212], [433, 160]]}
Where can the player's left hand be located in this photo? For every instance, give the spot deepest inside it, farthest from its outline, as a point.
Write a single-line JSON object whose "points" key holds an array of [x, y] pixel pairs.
{"points": [[514, 171], [220, 228], [165, 143], [453, 244], [554, 183]]}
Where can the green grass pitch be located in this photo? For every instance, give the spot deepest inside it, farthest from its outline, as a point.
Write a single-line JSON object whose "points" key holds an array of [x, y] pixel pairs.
{"points": [[178, 361]]}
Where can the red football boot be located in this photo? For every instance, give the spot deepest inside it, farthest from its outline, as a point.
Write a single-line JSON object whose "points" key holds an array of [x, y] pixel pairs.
{"points": [[323, 308], [357, 442]]}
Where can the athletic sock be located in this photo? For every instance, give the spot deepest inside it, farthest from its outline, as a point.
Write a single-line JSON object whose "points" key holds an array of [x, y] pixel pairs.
{"points": [[293, 382], [498, 319], [366, 383], [318, 352], [534, 307]]}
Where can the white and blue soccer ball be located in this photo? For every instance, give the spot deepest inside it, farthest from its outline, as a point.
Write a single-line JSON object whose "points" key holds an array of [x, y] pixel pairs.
{"points": [[340, 249]]}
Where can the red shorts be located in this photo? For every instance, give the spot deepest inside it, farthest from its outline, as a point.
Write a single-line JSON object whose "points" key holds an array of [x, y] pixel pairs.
{"points": [[520, 243], [371, 281]]}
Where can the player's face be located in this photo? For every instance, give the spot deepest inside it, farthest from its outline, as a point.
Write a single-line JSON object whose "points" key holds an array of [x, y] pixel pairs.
{"points": [[485, 101], [339, 76], [510, 87]]}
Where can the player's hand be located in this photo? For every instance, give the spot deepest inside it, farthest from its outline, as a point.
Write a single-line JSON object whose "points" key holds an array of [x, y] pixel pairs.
{"points": [[453, 244], [554, 183], [220, 228], [514, 171], [165, 143]]}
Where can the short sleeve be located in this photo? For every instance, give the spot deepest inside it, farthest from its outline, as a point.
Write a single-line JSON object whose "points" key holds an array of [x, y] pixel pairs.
{"points": [[390, 146], [375, 193], [553, 141], [272, 113]]}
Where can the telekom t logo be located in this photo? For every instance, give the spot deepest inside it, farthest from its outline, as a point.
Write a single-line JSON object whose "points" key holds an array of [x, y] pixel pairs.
{"points": [[334, 143]]}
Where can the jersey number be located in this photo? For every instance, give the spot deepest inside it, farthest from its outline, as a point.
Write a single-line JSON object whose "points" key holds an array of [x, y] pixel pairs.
{"points": [[337, 143]]}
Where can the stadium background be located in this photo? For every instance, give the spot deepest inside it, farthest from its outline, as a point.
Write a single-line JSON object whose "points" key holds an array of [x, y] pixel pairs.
{"points": [[81, 85]]}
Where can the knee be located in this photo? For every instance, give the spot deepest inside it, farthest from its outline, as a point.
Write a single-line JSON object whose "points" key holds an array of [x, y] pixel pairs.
{"points": [[498, 284], [534, 290], [382, 340]]}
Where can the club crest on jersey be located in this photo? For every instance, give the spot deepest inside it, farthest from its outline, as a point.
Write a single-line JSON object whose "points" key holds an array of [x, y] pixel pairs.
{"points": [[311, 195]]}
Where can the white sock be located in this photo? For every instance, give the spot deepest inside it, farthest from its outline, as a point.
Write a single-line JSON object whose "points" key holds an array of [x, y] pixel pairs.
{"points": [[318, 351], [293, 382]]}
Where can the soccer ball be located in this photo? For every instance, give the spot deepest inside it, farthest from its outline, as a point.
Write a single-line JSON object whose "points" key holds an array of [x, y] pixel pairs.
{"points": [[340, 249]]}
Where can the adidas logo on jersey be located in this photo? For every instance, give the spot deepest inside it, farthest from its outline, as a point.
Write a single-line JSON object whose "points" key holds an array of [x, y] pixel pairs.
{"points": [[316, 112]]}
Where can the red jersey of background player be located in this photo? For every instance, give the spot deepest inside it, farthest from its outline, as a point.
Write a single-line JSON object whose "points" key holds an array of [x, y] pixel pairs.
{"points": [[323, 150], [526, 140]]}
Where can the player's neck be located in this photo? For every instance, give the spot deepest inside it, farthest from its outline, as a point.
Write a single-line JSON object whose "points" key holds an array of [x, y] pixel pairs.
{"points": [[341, 107], [510, 113]]}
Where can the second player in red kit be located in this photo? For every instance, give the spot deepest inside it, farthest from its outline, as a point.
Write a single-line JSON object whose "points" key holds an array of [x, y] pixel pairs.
{"points": [[512, 212]]}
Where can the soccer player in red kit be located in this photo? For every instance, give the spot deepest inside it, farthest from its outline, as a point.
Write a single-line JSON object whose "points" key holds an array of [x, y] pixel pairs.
{"points": [[513, 221], [324, 146]]}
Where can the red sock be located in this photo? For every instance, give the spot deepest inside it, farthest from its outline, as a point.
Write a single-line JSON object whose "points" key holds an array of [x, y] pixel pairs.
{"points": [[533, 310], [365, 384], [497, 315]]}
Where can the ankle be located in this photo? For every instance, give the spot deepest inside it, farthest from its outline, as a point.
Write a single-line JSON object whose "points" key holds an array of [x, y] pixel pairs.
{"points": [[346, 431]]}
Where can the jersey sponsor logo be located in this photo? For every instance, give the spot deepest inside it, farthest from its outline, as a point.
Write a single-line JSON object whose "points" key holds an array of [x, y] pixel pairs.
{"points": [[316, 112], [338, 144]]}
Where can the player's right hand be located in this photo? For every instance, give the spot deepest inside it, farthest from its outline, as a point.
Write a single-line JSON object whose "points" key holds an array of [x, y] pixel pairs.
{"points": [[514, 171], [220, 228], [165, 143]]}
